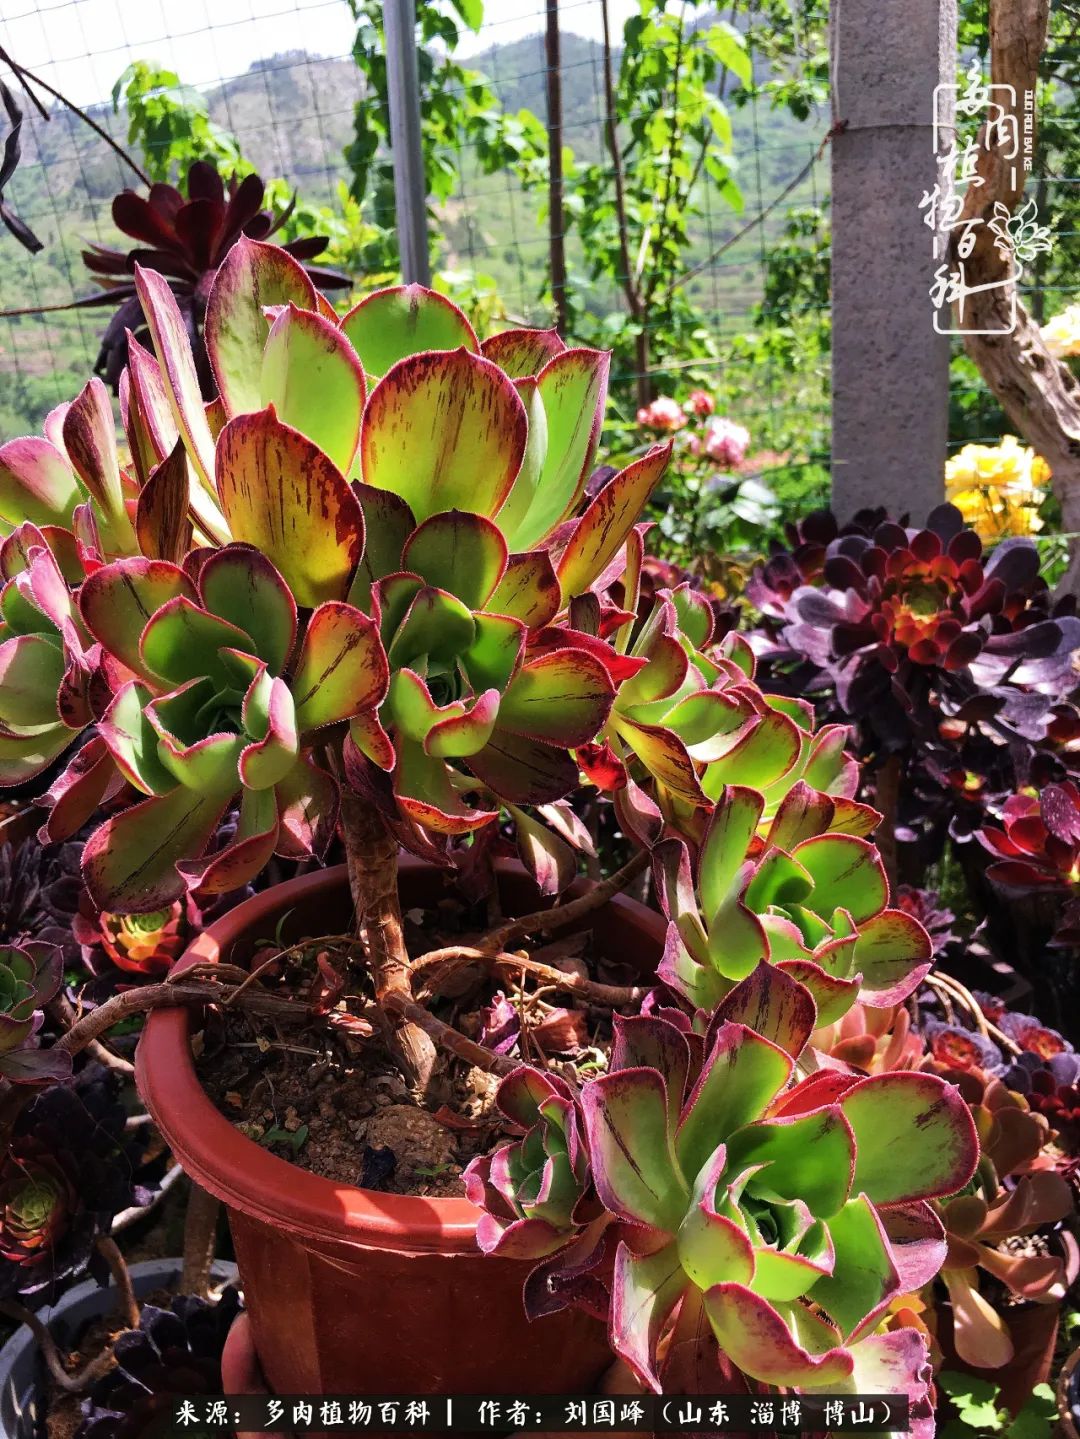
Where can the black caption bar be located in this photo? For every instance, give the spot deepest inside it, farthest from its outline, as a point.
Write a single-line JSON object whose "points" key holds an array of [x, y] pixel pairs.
{"points": [[560, 1413]]}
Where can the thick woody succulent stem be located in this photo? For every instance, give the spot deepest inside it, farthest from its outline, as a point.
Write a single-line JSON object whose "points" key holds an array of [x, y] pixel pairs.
{"points": [[371, 854]]}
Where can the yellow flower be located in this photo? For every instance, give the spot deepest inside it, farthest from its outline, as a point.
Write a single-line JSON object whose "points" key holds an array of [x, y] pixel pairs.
{"points": [[1061, 335], [998, 488]]}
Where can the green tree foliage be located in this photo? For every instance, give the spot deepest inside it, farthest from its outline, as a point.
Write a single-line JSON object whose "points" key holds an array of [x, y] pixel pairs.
{"points": [[673, 134], [458, 110], [170, 123]]}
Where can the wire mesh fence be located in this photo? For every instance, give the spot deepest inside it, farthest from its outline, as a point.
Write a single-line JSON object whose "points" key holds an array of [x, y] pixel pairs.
{"points": [[289, 110], [281, 81], [281, 84]]}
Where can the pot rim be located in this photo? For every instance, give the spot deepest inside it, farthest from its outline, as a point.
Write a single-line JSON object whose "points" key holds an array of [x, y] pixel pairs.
{"points": [[249, 1178]]}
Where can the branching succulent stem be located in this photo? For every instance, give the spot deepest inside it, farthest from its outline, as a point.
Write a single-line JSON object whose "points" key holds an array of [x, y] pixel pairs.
{"points": [[544, 921], [63, 1013], [457, 956], [446, 1037], [26, 76]]}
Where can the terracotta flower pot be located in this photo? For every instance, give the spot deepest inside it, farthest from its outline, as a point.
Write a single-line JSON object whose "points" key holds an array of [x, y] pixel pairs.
{"points": [[350, 1290]]}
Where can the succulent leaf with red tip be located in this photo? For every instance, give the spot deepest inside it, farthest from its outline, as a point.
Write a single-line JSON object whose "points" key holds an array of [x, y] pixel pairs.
{"points": [[1037, 845], [47, 660], [1035, 849]]}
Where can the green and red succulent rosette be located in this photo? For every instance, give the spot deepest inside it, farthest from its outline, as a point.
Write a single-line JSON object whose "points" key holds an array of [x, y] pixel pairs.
{"points": [[30, 976], [809, 896], [699, 1184], [67, 1170], [375, 532], [146, 944]]}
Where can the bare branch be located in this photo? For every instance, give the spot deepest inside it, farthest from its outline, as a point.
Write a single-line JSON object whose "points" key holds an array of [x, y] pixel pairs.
{"points": [[26, 76], [460, 956], [449, 1038]]}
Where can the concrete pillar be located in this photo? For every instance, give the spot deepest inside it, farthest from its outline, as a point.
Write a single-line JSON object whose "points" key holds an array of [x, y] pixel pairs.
{"points": [[890, 376]]}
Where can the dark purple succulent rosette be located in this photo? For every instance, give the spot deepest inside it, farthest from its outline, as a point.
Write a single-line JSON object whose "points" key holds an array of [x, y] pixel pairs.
{"points": [[39, 893], [174, 1353], [1051, 1088], [1034, 1036], [67, 1172], [895, 616], [185, 238], [962, 1049], [773, 583], [925, 905]]}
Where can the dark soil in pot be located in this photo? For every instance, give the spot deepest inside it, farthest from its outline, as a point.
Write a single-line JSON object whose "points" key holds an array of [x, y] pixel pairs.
{"points": [[338, 1106]]}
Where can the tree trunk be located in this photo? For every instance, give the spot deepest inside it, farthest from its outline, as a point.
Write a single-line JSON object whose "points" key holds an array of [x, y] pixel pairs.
{"points": [[1040, 394]]}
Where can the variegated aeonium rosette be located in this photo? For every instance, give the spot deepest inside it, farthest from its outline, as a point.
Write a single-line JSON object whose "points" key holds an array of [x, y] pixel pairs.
{"points": [[701, 1192], [374, 533], [723, 1187]]}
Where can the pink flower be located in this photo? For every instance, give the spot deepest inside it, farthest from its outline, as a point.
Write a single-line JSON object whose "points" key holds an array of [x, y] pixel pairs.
{"points": [[700, 403], [726, 442], [663, 414]]}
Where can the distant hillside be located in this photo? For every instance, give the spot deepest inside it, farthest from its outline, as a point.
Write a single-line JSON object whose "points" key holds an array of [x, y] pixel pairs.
{"points": [[293, 115]]}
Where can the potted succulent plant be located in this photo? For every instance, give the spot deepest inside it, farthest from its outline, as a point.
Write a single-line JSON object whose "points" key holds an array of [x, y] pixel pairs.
{"points": [[365, 591], [165, 1355]]}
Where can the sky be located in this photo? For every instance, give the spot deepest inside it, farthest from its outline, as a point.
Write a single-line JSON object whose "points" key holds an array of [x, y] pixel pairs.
{"points": [[82, 46]]}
